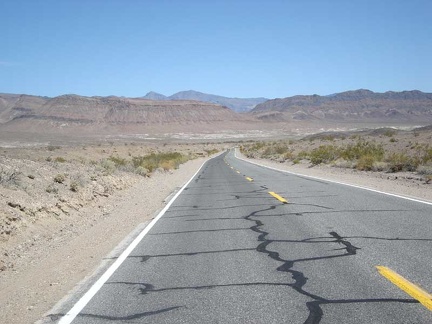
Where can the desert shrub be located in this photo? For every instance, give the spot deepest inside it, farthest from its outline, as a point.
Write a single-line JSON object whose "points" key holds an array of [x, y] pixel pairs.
{"points": [[365, 163], [302, 155], [324, 154], [74, 186], [380, 166], [51, 189], [31, 176], [393, 140], [342, 163], [425, 169], [211, 151], [426, 155], [52, 147], [60, 159], [353, 152], [167, 165], [401, 162], [155, 160], [141, 171], [329, 138], [281, 149], [118, 161], [390, 132], [268, 151], [59, 178], [289, 156], [107, 165], [257, 146]]}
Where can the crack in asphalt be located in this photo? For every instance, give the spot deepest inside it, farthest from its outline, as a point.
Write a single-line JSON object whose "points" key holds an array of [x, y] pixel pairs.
{"points": [[313, 306]]}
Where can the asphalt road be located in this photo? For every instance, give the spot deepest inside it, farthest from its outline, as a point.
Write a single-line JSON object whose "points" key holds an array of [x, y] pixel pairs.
{"points": [[226, 251]]}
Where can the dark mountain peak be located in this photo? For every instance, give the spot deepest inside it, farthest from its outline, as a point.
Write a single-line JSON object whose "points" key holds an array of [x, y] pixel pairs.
{"points": [[236, 104], [354, 94], [154, 96], [190, 95]]}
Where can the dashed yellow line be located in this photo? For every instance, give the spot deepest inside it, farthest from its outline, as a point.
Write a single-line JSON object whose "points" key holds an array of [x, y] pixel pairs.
{"points": [[238, 172], [411, 289], [249, 179], [281, 199]]}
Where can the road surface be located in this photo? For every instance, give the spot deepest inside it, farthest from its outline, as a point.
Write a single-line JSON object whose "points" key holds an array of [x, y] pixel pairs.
{"points": [[228, 251]]}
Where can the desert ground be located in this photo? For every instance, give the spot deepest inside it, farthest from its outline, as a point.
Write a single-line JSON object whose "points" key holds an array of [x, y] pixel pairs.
{"points": [[65, 207]]}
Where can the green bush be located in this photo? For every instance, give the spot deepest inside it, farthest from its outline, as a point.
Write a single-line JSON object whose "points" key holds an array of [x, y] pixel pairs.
{"points": [[365, 163], [353, 152], [324, 154], [118, 161], [151, 162]]}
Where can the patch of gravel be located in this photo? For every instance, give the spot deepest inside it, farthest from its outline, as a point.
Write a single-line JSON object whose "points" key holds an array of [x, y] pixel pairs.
{"points": [[50, 256]]}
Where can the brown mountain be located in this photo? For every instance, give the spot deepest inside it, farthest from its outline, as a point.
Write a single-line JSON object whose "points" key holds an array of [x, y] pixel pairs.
{"points": [[108, 114], [351, 106]]}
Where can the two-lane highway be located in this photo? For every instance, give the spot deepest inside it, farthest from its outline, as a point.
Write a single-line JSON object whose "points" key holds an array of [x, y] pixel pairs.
{"points": [[246, 244]]}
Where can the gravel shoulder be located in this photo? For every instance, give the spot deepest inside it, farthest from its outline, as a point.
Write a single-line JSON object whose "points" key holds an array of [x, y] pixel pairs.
{"points": [[47, 269], [406, 184]]}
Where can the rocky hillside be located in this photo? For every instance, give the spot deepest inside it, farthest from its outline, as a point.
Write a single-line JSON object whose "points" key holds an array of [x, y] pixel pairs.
{"points": [[14, 106], [22, 112], [236, 104], [351, 106]]}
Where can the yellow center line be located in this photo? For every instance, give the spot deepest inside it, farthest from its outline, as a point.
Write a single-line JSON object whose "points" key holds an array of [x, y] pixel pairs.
{"points": [[248, 178], [278, 197], [411, 289]]}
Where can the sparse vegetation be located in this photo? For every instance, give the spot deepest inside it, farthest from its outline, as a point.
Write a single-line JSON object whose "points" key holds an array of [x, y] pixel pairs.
{"points": [[53, 147], [60, 159], [366, 153], [211, 151], [59, 178], [74, 186], [153, 161], [51, 189]]}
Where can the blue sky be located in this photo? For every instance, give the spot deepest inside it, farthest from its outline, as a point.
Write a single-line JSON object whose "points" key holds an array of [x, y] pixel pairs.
{"points": [[231, 48]]}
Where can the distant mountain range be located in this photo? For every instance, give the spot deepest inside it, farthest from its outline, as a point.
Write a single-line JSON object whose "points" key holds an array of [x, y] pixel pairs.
{"points": [[187, 111], [236, 104], [351, 106], [93, 114]]}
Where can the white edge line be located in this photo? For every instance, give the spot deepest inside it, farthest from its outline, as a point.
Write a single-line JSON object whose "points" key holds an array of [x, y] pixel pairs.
{"points": [[83, 301], [333, 181]]}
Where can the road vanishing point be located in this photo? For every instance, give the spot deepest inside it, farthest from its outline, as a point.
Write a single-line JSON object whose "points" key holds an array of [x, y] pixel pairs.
{"points": [[241, 243]]}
